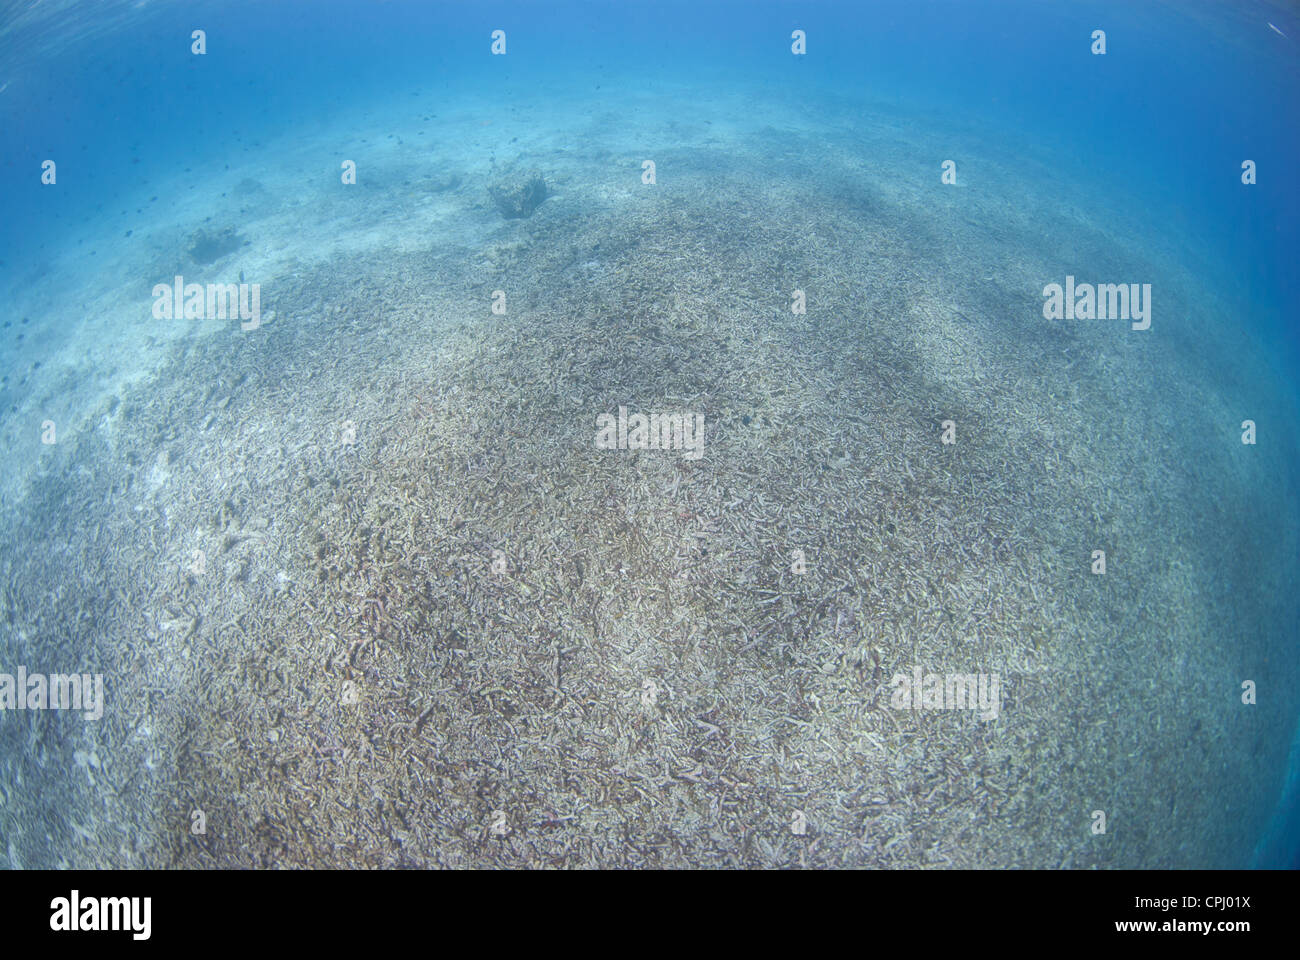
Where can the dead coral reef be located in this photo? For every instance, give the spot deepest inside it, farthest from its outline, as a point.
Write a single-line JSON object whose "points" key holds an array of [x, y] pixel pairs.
{"points": [[517, 195]]}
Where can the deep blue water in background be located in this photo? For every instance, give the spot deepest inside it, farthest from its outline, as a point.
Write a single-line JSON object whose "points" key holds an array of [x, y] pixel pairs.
{"points": [[1186, 92]]}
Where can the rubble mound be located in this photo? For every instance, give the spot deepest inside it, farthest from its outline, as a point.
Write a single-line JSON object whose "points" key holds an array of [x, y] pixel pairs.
{"points": [[519, 194]]}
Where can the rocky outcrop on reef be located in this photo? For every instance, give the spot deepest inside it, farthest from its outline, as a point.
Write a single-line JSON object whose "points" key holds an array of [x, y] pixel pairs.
{"points": [[519, 194]]}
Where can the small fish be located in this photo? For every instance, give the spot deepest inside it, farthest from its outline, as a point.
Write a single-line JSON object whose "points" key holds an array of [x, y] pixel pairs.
{"points": [[1270, 26]]}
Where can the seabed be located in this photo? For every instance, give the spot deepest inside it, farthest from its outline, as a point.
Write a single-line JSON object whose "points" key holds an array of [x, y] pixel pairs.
{"points": [[367, 593]]}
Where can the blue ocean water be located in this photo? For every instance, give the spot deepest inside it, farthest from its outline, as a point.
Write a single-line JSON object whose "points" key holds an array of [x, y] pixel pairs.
{"points": [[1147, 140]]}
